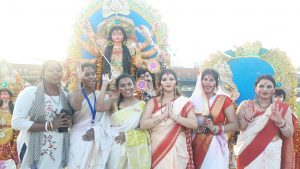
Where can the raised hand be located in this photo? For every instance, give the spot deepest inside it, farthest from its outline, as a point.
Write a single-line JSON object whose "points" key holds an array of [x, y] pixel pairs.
{"points": [[249, 109], [276, 113], [79, 73], [106, 79]]}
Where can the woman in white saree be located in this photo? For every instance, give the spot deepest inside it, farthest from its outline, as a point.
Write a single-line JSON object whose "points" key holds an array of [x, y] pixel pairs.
{"points": [[263, 124], [90, 139]]}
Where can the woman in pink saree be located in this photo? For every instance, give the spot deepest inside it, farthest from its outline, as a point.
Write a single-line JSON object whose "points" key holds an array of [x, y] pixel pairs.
{"points": [[170, 117]]}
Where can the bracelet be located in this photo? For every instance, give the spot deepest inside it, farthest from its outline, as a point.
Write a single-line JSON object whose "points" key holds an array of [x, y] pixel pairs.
{"points": [[178, 118], [51, 126], [46, 126], [247, 119], [284, 128], [281, 126]]}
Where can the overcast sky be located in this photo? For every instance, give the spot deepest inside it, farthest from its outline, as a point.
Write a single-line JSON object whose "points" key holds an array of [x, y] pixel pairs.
{"points": [[35, 30]]}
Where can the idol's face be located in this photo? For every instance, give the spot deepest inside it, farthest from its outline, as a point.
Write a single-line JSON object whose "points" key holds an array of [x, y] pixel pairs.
{"points": [[117, 36]]}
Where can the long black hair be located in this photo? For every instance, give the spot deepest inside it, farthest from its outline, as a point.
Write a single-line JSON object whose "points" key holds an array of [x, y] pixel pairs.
{"points": [[119, 78], [126, 57], [10, 103]]}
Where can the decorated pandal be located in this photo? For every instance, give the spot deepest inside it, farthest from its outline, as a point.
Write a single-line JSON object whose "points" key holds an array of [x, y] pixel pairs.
{"points": [[123, 36], [119, 36]]}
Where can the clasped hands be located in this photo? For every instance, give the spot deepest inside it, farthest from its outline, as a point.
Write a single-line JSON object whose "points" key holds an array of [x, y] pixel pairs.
{"points": [[168, 112]]}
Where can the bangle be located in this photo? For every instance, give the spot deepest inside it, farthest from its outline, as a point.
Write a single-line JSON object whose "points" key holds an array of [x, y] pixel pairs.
{"points": [[247, 119], [284, 128], [46, 126], [51, 126], [281, 126], [178, 118]]}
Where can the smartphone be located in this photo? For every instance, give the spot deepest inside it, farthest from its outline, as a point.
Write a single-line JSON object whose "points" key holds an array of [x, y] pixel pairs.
{"points": [[64, 129], [206, 130]]}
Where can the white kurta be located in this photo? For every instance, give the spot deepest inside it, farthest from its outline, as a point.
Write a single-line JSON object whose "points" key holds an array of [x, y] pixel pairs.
{"points": [[89, 154], [52, 142]]}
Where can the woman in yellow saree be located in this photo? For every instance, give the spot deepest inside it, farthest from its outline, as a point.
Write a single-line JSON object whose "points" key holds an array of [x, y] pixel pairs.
{"points": [[170, 117], [130, 146]]}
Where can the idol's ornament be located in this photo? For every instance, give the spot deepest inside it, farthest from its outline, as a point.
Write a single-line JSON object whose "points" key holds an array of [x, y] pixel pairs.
{"points": [[119, 36]]}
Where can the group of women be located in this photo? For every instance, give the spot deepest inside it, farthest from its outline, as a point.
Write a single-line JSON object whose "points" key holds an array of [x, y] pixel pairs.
{"points": [[169, 131]]}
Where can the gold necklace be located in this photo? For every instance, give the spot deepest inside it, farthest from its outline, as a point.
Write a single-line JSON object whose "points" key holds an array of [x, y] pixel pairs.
{"points": [[264, 107]]}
